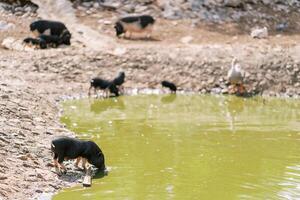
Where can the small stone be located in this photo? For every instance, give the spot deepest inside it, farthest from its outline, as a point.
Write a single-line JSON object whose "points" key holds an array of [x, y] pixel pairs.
{"points": [[19, 13], [119, 51], [259, 33], [87, 4], [128, 8], [27, 165], [96, 5], [106, 22], [232, 3], [282, 27], [224, 91], [19, 9], [26, 15], [22, 157], [267, 2], [216, 90], [5, 26], [28, 9], [89, 12], [141, 9], [40, 176], [186, 39], [4, 96], [211, 80], [269, 77]]}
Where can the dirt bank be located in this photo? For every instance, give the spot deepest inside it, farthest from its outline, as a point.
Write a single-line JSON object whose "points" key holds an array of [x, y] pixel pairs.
{"points": [[33, 83]]}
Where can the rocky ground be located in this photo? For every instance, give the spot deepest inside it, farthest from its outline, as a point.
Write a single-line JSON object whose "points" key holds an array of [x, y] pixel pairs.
{"points": [[196, 58]]}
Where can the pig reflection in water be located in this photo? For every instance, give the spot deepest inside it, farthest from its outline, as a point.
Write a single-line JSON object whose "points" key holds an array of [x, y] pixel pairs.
{"points": [[99, 106], [168, 99]]}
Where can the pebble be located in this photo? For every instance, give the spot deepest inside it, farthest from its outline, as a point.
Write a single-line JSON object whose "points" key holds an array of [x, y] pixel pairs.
{"points": [[186, 39], [22, 157], [5, 25], [259, 33], [106, 22], [4, 96]]}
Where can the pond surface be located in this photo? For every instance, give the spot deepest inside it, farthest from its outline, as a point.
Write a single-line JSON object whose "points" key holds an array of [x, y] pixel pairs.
{"points": [[190, 147]]}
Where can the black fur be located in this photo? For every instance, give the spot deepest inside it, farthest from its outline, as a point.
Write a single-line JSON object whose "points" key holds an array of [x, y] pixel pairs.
{"points": [[51, 39], [119, 29], [56, 28], [113, 89], [130, 19], [99, 83], [66, 37], [143, 21], [169, 85], [146, 20], [71, 148], [33, 41], [120, 79], [36, 41]]}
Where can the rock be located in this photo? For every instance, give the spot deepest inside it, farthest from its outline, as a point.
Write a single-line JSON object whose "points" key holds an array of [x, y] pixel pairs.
{"points": [[7, 42], [28, 165], [4, 96], [259, 33], [107, 22], [266, 2], [128, 8], [19, 9], [216, 91], [45, 196], [19, 13], [22, 157], [233, 3], [211, 80], [269, 77], [5, 26], [28, 9], [87, 4], [224, 91], [96, 5], [171, 12], [111, 6], [88, 12], [281, 27], [15, 44], [186, 39], [119, 51], [26, 15], [141, 9]]}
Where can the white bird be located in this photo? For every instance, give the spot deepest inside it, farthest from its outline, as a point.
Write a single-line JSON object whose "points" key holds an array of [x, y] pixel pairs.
{"points": [[235, 75]]}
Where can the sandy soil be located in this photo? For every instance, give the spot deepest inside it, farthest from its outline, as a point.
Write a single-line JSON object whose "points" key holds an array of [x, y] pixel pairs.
{"points": [[32, 84]]}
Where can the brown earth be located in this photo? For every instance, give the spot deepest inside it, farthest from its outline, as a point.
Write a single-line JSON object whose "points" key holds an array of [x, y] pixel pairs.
{"points": [[33, 83]]}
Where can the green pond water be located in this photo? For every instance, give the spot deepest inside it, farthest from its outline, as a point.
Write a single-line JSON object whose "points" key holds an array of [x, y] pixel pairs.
{"points": [[190, 147]]}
